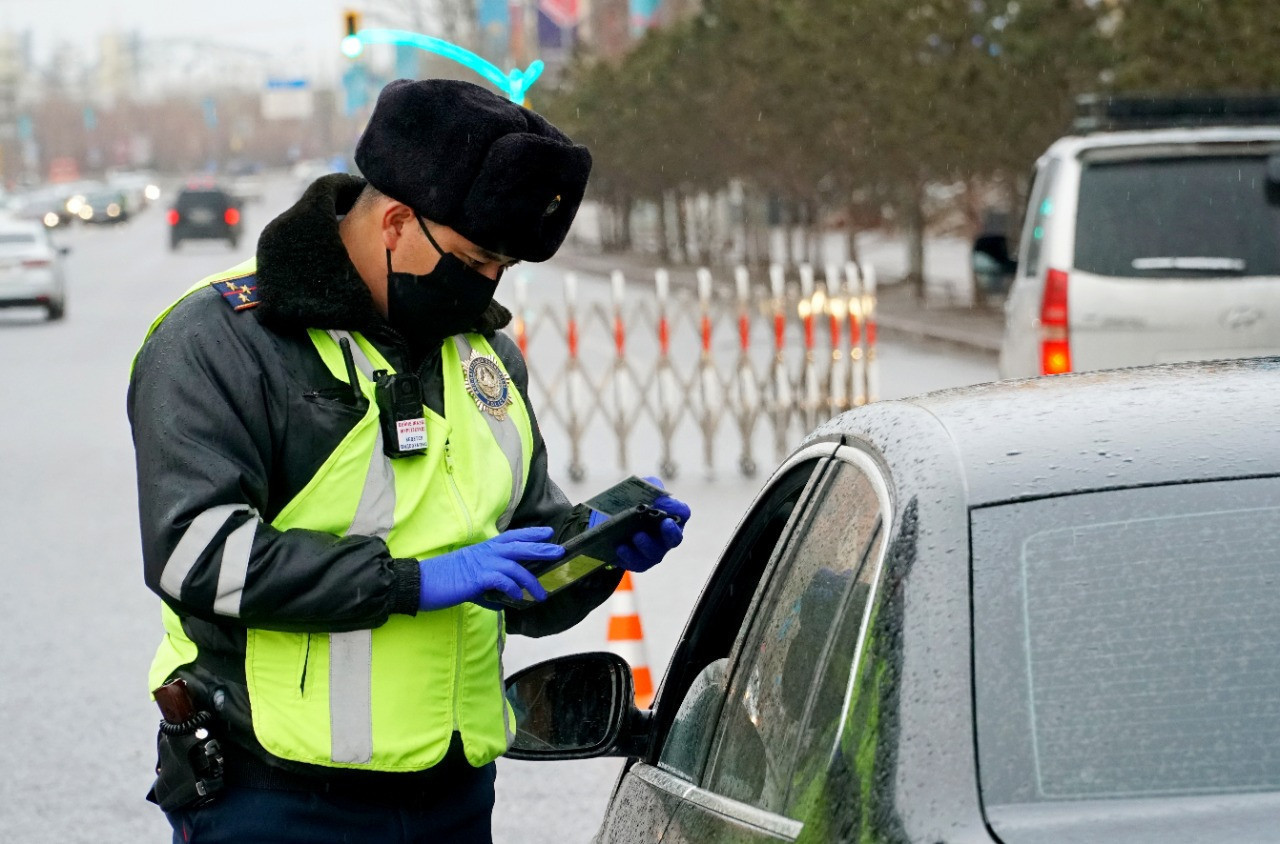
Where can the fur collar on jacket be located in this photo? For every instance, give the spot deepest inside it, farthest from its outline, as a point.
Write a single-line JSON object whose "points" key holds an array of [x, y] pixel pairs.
{"points": [[307, 280]]}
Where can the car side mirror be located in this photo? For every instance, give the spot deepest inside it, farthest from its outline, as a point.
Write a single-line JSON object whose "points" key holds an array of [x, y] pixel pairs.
{"points": [[576, 707]]}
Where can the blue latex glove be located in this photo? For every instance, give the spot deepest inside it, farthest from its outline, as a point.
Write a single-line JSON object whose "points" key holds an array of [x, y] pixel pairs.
{"points": [[466, 574], [646, 549]]}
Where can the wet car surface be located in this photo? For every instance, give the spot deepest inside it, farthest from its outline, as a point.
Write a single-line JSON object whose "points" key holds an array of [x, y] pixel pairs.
{"points": [[1030, 611]]}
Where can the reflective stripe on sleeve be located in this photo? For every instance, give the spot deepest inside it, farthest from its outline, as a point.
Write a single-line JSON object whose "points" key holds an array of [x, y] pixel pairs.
{"points": [[195, 540], [508, 437], [235, 568]]}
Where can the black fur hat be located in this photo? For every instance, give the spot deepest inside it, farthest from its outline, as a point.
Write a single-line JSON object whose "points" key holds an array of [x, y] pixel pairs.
{"points": [[495, 172]]}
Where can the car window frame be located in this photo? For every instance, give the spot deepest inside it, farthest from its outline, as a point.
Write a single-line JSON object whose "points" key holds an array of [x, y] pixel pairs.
{"points": [[873, 553], [681, 673]]}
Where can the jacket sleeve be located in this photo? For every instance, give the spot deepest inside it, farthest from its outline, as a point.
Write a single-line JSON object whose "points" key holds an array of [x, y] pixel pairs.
{"points": [[205, 406], [544, 504]]}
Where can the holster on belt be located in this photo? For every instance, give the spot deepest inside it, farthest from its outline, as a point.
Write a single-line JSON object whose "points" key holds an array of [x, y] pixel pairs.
{"points": [[189, 763]]}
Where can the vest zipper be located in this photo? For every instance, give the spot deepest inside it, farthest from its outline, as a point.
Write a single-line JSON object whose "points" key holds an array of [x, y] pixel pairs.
{"points": [[466, 514]]}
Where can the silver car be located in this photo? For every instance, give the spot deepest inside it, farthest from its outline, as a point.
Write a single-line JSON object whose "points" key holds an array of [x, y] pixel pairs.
{"points": [[31, 273], [1151, 246]]}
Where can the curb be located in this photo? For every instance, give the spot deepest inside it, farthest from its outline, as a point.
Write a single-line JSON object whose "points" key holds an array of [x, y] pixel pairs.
{"points": [[921, 330]]}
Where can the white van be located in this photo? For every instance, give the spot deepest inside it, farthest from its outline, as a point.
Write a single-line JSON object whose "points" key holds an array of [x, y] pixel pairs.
{"points": [[1148, 246]]}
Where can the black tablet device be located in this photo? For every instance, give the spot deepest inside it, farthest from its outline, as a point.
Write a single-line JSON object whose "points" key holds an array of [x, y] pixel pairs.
{"points": [[586, 552]]}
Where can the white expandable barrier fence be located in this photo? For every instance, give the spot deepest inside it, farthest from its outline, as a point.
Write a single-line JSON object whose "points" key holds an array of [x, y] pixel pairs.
{"points": [[674, 358]]}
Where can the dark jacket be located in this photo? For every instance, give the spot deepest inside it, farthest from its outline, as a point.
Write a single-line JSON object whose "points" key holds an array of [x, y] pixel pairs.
{"points": [[236, 407]]}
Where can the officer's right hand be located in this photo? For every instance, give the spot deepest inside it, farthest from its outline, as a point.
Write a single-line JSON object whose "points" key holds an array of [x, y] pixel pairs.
{"points": [[466, 574]]}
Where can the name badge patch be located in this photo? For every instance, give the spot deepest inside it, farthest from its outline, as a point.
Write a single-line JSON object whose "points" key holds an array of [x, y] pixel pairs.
{"points": [[411, 434]]}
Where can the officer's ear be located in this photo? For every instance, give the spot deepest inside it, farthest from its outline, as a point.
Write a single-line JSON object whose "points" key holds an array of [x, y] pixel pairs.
{"points": [[394, 218]]}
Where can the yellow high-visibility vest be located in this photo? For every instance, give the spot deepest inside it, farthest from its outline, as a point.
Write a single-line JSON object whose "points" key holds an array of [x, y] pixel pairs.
{"points": [[388, 699]]}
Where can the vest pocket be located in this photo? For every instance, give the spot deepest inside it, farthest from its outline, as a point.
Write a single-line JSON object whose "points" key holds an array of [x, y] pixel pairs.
{"points": [[302, 670], [288, 693]]}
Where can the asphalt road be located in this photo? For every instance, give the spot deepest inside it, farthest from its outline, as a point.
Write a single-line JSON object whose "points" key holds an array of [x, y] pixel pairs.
{"points": [[79, 627]]}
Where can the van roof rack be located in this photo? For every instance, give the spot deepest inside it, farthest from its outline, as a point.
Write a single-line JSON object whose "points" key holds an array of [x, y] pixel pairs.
{"points": [[1113, 112]]}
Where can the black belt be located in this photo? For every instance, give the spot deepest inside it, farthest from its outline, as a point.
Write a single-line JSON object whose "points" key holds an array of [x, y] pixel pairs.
{"points": [[449, 776]]}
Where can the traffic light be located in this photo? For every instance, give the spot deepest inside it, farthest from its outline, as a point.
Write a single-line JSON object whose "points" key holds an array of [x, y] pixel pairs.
{"points": [[351, 46], [352, 21]]}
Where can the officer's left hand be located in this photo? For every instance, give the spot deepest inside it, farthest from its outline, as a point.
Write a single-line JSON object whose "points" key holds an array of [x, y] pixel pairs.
{"points": [[646, 549]]}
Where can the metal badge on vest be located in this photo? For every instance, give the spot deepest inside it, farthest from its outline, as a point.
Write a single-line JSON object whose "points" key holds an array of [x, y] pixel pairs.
{"points": [[488, 384]]}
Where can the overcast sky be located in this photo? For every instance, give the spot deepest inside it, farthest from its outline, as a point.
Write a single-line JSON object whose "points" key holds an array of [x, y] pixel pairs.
{"points": [[289, 29]]}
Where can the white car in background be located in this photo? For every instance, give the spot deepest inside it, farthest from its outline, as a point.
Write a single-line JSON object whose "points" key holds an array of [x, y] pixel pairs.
{"points": [[31, 272], [1151, 245]]}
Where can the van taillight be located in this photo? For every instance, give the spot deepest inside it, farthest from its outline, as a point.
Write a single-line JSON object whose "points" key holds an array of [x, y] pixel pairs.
{"points": [[232, 216], [1055, 339], [173, 216]]}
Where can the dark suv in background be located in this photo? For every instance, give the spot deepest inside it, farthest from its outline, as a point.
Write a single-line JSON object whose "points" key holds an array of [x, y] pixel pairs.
{"points": [[204, 212]]}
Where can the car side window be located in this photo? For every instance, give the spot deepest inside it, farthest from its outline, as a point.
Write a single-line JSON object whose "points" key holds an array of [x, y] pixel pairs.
{"points": [[1039, 216], [762, 721], [816, 749], [689, 703]]}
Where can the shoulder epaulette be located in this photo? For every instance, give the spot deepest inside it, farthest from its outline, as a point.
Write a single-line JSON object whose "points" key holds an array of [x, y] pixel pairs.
{"points": [[237, 293]]}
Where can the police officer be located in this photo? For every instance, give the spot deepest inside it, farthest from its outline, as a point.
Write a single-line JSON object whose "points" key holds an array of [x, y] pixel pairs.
{"points": [[337, 459]]}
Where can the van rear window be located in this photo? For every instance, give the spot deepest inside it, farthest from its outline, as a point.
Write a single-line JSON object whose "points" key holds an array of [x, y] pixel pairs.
{"points": [[1191, 217]]}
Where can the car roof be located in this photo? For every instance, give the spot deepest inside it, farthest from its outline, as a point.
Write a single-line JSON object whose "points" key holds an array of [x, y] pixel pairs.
{"points": [[1056, 435], [1073, 145], [9, 225]]}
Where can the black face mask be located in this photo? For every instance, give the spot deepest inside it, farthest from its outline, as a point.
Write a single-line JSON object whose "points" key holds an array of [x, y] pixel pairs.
{"points": [[446, 301]]}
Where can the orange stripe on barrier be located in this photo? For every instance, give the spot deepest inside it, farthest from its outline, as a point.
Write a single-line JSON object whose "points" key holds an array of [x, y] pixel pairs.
{"points": [[664, 336], [744, 331], [706, 333], [625, 628], [871, 332], [855, 331], [573, 338], [779, 331], [619, 335]]}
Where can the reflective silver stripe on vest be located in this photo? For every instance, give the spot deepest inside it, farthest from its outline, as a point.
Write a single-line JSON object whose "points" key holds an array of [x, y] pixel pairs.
{"points": [[351, 653], [351, 696], [502, 682], [235, 568], [508, 437], [195, 540]]}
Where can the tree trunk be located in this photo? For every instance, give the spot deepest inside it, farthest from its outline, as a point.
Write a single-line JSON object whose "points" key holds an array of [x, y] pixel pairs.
{"points": [[682, 227], [913, 216], [625, 239], [851, 232], [664, 242]]}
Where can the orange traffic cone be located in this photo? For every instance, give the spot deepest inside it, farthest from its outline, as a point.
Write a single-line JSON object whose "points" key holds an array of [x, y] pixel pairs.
{"points": [[626, 639]]}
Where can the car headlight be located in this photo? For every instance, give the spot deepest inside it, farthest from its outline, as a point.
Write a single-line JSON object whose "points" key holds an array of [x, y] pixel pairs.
{"points": [[85, 212], [152, 192], [74, 204], [113, 210], [51, 219]]}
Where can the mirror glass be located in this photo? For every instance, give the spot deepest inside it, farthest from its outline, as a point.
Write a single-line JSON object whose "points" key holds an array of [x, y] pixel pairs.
{"points": [[567, 705]]}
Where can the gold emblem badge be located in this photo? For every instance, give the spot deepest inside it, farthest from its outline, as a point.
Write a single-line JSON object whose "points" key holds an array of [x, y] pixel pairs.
{"points": [[551, 209], [487, 384]]}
